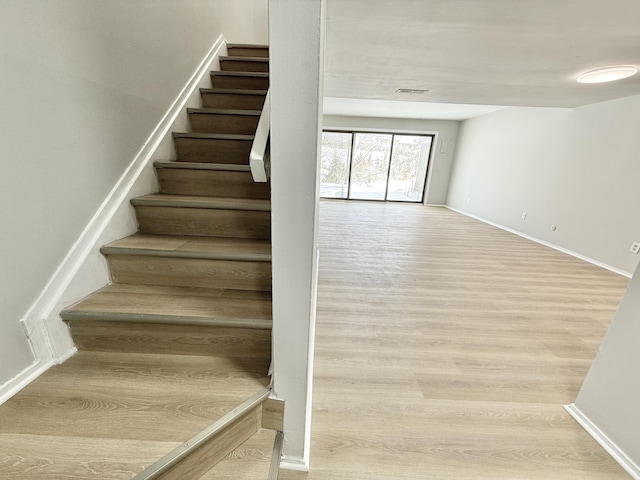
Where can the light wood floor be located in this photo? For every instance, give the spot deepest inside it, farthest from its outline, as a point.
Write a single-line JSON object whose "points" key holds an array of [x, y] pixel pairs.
{"points": [[105, 415], [446, 348]]}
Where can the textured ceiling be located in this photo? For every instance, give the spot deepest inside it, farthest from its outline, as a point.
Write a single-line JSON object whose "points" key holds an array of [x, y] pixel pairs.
{"points": [[486, 52]]}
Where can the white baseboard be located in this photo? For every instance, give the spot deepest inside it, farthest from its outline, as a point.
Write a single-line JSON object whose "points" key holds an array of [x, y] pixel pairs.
{"points": [[50, 339], [546, 244], [631, 467], [23, 379], [28, 375], [294, 463]]}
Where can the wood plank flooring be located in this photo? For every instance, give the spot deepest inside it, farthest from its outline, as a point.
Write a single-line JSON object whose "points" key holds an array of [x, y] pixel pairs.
{"points": [[108, 415], [446, 348], [250, 461]]}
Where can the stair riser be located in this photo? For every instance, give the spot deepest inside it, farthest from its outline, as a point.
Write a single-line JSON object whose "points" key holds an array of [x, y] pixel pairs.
{"points": [[190, 272], [152, 338], [212, 150], [232, 101], [204, 221], [210, 453], [251, 460], [248, 52], [249, 83], [221, 183], [243, 66], [223, 123]]}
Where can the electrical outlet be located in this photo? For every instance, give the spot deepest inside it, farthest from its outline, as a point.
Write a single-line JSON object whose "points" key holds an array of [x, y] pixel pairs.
{"points": [[524, 215], [635, 247]]}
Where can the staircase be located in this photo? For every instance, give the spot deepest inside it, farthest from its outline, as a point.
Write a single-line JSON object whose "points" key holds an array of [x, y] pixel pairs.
{"points": [[171, 378]]}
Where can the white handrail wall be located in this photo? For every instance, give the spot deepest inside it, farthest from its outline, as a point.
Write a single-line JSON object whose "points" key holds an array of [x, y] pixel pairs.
{"points": [[259, 156], [295, 70]]}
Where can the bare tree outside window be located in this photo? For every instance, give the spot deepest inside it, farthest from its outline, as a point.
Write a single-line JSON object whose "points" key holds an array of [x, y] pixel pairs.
{"points": [[408, 167], [371, 155], [334, 166]]}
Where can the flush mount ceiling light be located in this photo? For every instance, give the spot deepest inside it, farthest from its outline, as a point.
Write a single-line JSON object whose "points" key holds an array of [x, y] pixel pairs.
{"points": [[607, 74]]}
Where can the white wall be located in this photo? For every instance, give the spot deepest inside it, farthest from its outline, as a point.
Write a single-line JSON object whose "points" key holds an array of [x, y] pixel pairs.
{"points": [[576, 169], [296, 46], [83, 85], [443, 150], [610, 395]]}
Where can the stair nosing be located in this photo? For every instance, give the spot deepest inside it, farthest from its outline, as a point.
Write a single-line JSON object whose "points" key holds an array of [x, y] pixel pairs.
{"points": [[243, 58], [97, 316], [147, 252], [226, 167], [227, 73], [247, 45], [259, 205], [276, 456], [224, 111], [175, 456], [213, 136], [233, 91]]}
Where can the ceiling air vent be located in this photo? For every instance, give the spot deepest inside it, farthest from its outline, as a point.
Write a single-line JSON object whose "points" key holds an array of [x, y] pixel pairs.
{"points": [[411, 91]]}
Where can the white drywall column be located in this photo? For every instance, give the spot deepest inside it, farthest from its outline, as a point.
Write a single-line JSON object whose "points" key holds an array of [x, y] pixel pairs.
{"points": [[295, 40], [610, 395]]}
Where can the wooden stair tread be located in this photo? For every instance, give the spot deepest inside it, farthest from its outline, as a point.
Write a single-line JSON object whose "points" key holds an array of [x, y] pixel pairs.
{"points": [[224, 120], [227, 167], [213, 147], [96, 404], [247, 62], [191, 291], [174, 305], [172, 214], [192, 201], [233, 91], [210, 179], [240, 79], [213, 136], [235, 58], [250, 461], [224, 111], [241, 249], [120, 336], [240, 50], [51, 457], [240, 74], [247, 45], [202, 452], [232, 98]]}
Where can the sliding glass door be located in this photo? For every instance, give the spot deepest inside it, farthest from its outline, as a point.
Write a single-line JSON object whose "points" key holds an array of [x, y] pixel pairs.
{"points": [[370, 166], [374, 166], [408, 171], [335, 163]]}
